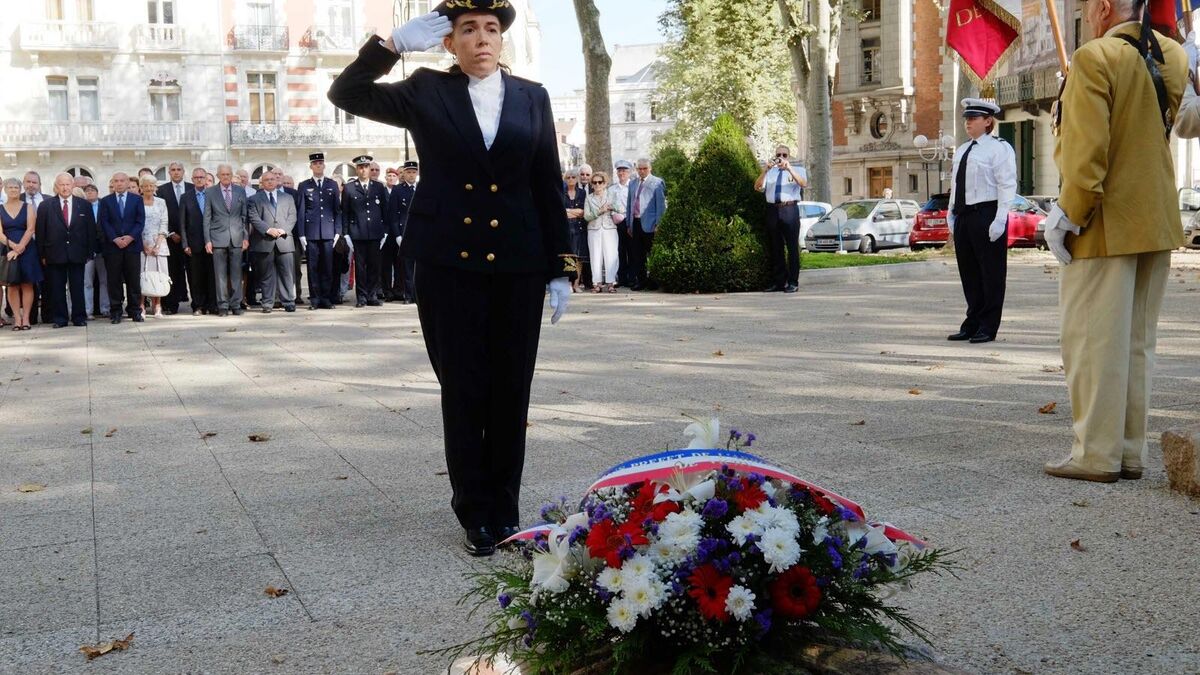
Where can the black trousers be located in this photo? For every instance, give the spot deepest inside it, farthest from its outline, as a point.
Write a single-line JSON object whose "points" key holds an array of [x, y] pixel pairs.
{"points": [[321, 289], [625, 272], [643, 243], [407, 286], [124, 268], [982, 267], [57, 278], [783, 237], [367, 259], [391, 270], [177, 268], [202, 281], [481, 332]]}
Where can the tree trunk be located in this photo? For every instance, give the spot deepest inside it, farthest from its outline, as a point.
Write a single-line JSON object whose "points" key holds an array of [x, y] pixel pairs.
{"points": [[814, 61], [597, 65]]}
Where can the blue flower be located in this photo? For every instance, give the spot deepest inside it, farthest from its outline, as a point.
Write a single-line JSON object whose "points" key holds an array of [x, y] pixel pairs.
{"points": [[835, 558], [763, 619], [530, 622], [846, 514], [750, 438], [708, 548], [756, 478], [578, 533], [528, 641], [735, 434], [715, 508], [505, 600], [862, 570]]}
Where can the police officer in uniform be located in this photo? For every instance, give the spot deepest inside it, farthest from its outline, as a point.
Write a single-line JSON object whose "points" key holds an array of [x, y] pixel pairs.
{"points": [[398, 203], [985, 184], [364, 202], [487, 229], [319, 224]]}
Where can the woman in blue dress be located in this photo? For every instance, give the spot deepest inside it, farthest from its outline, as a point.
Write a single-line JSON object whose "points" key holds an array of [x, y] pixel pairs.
{"points": [[18, 221], [574, 196]]}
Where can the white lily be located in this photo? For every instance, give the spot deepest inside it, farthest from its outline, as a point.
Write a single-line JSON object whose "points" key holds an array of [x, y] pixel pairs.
{"points": [[553, 567], [876, 540], [682, 485], [705, 436]]}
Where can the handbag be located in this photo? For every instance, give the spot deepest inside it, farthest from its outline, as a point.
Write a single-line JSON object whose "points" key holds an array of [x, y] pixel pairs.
{"points": [[9, 269], [155, 284]]}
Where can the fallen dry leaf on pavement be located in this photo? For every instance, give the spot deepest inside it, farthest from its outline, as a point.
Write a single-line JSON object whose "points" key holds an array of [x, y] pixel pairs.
{"points": [[915, 392], [208, 434], [93, 651], [259, 438], [31, 487], [718, 353], [275, 592], [1052, 369], [110, 433], [341, 477], [860, 423], [936, 366], [1080, 503], [86, 431], [886, 353], [1048, 409], [441, 473], [1077, 546]]}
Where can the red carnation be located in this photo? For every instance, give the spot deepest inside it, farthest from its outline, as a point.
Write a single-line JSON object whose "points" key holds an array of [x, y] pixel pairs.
{"points": [[644, 506], [710, 589], [606, 539], [795, 594], [749, 498]]}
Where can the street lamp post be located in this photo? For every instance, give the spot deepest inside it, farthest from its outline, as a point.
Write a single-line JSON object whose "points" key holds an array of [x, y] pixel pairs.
{"points": [[404, 13], [935, 152]]}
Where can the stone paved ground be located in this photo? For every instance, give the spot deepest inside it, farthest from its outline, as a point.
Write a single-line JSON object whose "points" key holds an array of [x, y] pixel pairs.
{"points": [[172, 526]]}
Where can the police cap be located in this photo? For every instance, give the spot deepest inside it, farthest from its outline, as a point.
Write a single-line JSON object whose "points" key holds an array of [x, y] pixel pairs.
{"points": [[977, 107], [316, 157], [363, 159], [410, 164]]}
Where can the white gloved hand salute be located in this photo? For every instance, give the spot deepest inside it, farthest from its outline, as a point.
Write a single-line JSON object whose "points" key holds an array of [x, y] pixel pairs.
{"points": [[422, 33], [1057, 227], [560, 294]]}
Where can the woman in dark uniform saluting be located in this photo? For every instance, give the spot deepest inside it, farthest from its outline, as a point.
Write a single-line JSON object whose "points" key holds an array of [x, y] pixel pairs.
{"points": [[487, 229]]}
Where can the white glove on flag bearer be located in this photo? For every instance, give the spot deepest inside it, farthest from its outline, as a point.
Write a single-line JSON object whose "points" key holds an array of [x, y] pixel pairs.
{"points": [[1057, 227], [422, 33]]}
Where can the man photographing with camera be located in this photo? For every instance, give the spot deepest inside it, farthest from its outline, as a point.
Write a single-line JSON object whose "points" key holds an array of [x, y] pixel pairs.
{"points": [[784, 187]]}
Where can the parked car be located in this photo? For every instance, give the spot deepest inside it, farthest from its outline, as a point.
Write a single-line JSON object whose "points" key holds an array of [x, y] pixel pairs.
{"points": [[931, 228], [1189, 212], [810, 213], [864, 225]]}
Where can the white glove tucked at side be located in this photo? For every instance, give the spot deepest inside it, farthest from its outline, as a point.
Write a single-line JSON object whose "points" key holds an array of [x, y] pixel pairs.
{"points": [[560, 294], [1057, 227]]}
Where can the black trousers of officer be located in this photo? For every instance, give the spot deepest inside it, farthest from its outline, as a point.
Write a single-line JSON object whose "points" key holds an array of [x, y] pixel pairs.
{"points": [[982, 267], [625, 272], [177, 268], [783, 236], [367, 260], [124, 268], [481, 332], [391, 271], [202, 282], [406, 284], [57, 278], [320, 271]]}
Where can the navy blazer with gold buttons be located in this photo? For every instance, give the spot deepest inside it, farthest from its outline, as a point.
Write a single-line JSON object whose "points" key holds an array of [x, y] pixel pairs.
{"points": [[364, 212], [497, 210]]}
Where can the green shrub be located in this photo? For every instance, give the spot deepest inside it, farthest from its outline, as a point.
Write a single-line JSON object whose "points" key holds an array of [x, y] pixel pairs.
{"points": [[671, 165], [711, 238]]}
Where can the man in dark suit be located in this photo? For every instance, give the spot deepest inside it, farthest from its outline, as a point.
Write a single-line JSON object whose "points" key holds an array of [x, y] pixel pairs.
{"points": [[398, 203], [272, 221], [225, 238], [318, 225], [363, 204], [122, 219], [199, 260], [173, 192], [33, 196], [65, 240]]}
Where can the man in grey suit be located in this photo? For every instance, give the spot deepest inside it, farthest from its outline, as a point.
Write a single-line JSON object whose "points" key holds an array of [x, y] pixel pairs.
{"points": [[272, 242], [225, 206]]}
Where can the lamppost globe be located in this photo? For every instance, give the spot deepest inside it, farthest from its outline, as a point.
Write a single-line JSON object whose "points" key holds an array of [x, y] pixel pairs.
{"points": [[921, 141], [947, 141]]}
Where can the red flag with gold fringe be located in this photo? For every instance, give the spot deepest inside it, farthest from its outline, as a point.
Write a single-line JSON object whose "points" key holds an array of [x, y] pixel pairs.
{"points": [[983, 33]]}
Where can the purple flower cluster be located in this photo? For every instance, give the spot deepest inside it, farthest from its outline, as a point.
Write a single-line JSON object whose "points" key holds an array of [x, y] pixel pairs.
{"points": [[715, 509]]}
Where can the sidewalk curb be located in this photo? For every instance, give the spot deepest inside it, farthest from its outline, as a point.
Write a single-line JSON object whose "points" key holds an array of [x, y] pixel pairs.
{"points": [[870, 273]]}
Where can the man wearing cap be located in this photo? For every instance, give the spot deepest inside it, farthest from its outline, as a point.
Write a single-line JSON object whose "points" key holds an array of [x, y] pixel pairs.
{"points": [[389, 280], [363, 204], [401, 197], [319, 225], [1113, 228], [984, 185], [487, 229], [620, 190]]}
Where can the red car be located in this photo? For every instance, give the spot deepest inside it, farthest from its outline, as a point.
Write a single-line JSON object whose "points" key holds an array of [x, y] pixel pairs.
{"points": [[930, 228]]}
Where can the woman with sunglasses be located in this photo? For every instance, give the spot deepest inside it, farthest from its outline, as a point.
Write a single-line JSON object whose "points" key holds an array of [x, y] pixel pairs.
{"points": [[599, 210], [574, 197]]}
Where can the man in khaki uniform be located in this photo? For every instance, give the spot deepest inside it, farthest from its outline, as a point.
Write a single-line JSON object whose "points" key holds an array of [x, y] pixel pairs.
{"points": [[1113, 228]]}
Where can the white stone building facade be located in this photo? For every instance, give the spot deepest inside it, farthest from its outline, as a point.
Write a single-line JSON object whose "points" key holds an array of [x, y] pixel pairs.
{"points": [[99, 86]]}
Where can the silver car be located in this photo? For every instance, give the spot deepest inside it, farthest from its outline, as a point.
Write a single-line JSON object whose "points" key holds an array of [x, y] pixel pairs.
{"points": [[864, 225]]}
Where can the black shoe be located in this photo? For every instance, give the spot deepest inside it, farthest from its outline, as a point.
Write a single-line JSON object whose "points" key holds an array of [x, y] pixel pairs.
{"points": [[222, 312], [80, 324], [360, 304], [325, 305], [790, 288], [115, 319], [312, 307], [635, 287], [773, 289], [502, 533], [239, 312], [479, 542], [374, 303], [59, 325], [289, 308], [981, 337], [959, 336], [266, 310], [139, 318]]}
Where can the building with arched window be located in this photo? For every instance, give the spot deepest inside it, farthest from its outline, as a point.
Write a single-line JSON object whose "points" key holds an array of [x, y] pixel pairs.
{"points": [[110, 85]]}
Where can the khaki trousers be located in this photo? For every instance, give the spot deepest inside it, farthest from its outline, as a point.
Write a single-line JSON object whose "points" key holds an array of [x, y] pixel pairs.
{"points": [[1110, 312]]}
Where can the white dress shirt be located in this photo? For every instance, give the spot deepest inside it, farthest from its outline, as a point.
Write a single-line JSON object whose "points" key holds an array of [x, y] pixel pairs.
{"points": [[991, 175], [487, 97], [791, 191]]}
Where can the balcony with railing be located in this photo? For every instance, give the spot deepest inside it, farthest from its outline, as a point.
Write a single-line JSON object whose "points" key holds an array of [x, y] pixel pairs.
{"points": [[158, 37], [109, 135], [1031, 86], [68, 36], [310, 134], [259, 38], [333, 39]]}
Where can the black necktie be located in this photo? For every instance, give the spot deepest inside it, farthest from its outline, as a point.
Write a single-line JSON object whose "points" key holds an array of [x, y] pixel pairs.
{"points": [[272, 197], [960, 181]]}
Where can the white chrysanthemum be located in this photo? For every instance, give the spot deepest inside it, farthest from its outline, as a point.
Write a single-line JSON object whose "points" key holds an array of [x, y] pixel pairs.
{"points": [[638, 567], [773, 518], [622, 615], [741, 527], [611, 579], [666, 553], [740, 603], [681, 525], [779, 549], [646, 595]]}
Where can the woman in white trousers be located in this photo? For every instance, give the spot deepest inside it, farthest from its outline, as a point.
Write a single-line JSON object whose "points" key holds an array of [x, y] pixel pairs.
{"points": [[603, 214]]}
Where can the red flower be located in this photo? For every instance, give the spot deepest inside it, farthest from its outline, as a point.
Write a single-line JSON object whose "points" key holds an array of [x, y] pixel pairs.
{"points": [[749, 498], [644, 506], [606, 539], [824, 504], [795, 594], [710, 589]]}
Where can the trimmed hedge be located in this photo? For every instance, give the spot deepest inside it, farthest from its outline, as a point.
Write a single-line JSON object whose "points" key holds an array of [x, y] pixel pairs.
{"points": [[711, 238], [671, 165]]}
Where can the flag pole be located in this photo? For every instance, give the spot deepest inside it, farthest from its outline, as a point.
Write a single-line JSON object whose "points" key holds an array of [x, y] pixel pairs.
{"points": [[1056, 28]]}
